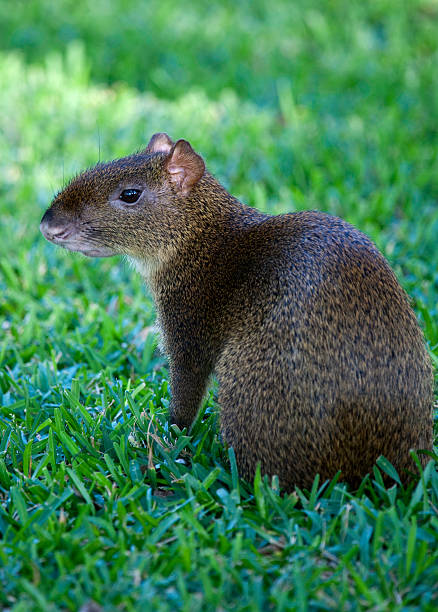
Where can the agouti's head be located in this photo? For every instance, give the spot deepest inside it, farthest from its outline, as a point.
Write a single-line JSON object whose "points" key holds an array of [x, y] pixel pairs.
{"points": [[136, 206]]}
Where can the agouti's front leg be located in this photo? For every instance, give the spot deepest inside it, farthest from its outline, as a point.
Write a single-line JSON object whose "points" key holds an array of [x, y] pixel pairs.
{"points": [[187, 386]]}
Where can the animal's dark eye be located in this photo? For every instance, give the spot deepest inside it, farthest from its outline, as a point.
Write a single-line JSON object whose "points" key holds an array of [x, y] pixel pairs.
{"points": [[130, 195]]}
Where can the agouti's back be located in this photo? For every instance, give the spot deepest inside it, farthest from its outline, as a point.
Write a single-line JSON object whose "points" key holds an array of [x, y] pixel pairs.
{"points": [[320, 361]]}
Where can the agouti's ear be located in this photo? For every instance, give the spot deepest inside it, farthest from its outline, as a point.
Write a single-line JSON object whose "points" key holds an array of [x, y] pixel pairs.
{"points": [[184, 166], [159, 143]]}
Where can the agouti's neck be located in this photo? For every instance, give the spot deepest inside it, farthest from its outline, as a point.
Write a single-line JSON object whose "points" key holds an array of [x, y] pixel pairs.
{"points": [[213, 207], [215, 221]]}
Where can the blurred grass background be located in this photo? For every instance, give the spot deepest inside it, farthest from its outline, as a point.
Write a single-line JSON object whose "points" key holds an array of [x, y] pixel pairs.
{"points": [[294, 105]]}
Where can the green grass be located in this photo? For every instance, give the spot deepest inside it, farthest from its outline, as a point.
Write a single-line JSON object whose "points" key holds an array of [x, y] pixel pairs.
{"points": [[311, 105]]}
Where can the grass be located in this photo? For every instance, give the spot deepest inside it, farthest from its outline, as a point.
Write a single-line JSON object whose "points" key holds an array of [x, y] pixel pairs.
{"points": [[314, 105]]}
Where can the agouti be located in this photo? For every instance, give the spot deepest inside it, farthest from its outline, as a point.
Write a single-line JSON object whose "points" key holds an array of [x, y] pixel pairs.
{"points": [[320, 361]]}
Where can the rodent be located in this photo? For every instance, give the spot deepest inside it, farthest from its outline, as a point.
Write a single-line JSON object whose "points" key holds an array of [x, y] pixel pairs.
{"points": [[320, 361]]}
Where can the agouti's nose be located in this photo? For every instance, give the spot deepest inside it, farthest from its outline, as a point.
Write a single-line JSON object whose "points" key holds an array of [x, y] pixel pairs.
{"points": [[52, 231], [55, 233]]}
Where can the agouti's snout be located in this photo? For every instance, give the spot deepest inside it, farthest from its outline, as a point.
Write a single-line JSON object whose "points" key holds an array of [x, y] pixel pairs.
{"points": [[52, 230]]}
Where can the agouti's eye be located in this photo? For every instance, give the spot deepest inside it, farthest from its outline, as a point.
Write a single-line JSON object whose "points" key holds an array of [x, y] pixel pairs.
{"points": [[130, 195]]}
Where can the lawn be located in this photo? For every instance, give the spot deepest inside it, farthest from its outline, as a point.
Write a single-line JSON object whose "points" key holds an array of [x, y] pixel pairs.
{"points": [[294, 106]]}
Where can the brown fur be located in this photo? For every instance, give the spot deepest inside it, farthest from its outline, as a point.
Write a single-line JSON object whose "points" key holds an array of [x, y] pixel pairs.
{"points": [[320, 361]]}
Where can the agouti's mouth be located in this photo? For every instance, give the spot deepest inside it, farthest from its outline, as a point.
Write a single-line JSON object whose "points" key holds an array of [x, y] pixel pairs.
{"points": [[68, 238], [93, 251]]}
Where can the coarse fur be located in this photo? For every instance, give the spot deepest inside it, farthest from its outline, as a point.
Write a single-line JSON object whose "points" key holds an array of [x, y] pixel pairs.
{"points": [[320, 361]]}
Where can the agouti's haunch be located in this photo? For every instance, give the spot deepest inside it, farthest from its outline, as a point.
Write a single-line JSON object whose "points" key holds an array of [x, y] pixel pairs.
{"points": [[320, 361]]}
